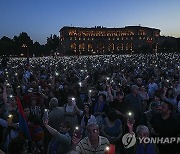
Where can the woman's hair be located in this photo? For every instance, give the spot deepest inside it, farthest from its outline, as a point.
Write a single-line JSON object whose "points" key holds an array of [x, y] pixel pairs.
{"points": [[89, 106], [104, 96], [142, 128], [68, 125], [172, 95]]}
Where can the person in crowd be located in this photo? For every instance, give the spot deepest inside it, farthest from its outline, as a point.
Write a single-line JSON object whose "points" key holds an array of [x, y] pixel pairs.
{"points": [[120, 106], [99, 108], [168, 96], [139, 82], [11, 129], [56, 114], [166, 125], [35, 109], [147, 115], [36, 131], [152, 88], [71, 110], [87, 118], [134, 103], [143, 93], [93, 143], [64, 92], [125, 87], [112, 129], [61, 138], [27, 112], [142, 132]]}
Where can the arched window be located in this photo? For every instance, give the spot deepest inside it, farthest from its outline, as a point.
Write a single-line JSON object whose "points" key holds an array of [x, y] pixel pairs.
{"points": [[73, 47], [81, 47], [90, 47], [111, 47], [100, 47], [119, 46]]}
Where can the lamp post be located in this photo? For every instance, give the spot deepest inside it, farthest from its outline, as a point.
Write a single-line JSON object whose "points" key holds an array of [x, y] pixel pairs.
{"points": [[25, 46], [27, 53]]}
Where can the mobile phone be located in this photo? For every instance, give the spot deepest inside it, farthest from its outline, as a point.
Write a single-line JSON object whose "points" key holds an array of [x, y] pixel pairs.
{"points": [[39, 89], [131, 117], [77, 132], [73, 101], [46, 114], [10, 118]]}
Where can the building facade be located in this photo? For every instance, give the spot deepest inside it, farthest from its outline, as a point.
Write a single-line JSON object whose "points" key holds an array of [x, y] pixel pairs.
{"points": [[102, 40]]}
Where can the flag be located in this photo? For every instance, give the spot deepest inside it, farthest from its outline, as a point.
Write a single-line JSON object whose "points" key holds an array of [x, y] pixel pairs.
{"points": [[23, 126]]}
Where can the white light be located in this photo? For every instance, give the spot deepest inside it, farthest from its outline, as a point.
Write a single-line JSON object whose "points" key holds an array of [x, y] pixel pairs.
{"points": [[130, 114], [56, 73], [9, 116], [80, 84], [107, 148]]}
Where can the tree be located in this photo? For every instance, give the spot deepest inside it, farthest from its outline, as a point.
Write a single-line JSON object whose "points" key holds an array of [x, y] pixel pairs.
{"points": [[6, 46], [23, 38], [37, 49], [52, 43]]}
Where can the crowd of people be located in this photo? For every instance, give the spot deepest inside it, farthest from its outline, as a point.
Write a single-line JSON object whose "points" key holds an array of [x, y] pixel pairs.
{"points": [[85, 104]]}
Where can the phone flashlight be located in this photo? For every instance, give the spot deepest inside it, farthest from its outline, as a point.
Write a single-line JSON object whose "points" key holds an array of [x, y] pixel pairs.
{"points": [[46, 115], [107, 148], [107, 78], [87, 76], [10, 118], [129, 113], [56, 73], [131, 117], [77, 132], [80, 84]]}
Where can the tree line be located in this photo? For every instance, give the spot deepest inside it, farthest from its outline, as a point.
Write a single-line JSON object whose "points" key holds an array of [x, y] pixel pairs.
{"points": [[22, 45]]}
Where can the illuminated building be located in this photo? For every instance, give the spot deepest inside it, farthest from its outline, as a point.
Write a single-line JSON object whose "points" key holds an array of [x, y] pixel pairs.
{"points": [[102, 40]]}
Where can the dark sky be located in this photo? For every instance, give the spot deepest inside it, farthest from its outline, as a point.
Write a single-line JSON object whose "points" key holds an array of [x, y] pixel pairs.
{"points": [[41, 18]]}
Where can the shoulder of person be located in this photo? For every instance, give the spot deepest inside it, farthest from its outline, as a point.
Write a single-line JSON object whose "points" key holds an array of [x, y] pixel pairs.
{"points": [[155, 117], [119, 121], [104, 140]]}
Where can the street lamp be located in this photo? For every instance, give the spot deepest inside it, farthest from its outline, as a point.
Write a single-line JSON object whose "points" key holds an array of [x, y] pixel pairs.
{"points": [[25, 46]]}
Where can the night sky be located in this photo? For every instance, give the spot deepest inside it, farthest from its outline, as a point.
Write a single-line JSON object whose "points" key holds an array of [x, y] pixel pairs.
{"points": [[41, 18]]}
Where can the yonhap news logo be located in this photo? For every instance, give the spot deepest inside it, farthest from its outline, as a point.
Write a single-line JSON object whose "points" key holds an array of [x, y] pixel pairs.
{"points": [[129, 140]]}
